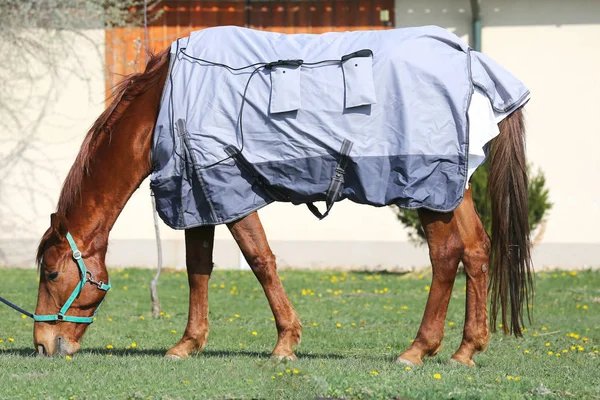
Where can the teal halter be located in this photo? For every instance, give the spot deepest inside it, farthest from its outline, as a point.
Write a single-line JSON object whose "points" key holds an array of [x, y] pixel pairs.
{"points": [[86, 276]]}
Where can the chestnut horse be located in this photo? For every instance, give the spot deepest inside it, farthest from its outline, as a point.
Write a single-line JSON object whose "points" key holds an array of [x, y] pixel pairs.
{"points": [[114, 160]]}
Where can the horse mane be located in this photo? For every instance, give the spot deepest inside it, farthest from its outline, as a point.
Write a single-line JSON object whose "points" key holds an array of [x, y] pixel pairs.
{"points": [[128, 89]]}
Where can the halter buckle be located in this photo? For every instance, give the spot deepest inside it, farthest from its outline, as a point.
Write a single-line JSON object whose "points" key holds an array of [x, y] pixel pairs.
{"points": [[77, 255]]}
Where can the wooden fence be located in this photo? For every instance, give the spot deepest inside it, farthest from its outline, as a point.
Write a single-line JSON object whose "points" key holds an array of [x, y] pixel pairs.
{"points": [[125, 47]]}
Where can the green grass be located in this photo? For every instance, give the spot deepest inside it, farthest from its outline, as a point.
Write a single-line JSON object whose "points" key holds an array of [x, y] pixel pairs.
{"points": [[351, 361]]}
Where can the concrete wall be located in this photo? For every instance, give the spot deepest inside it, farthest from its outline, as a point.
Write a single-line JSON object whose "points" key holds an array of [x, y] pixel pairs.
{"points": [[551, 45]]}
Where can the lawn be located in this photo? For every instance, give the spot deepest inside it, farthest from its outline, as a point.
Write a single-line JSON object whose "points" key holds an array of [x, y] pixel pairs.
{"points": [[354, 326]]}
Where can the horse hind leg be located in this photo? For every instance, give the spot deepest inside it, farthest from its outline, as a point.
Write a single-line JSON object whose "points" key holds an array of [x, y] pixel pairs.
{"points": [[199, 250], [445, 251], [250, 236], [476, 261]]}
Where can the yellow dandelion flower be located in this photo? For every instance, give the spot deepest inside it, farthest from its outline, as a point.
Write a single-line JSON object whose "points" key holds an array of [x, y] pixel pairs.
{"points": [[110, 346], [374, 372], [525, 351], [11, 339], [450, 324], [241, 344], [230, 319], [469, 378], [125, 288], [280, 374], [186, 382], [296, 371], [254, 333], [547, 344], [109, 319], [565, 351], [517, 378], [427, 288], [133, 344], [408, 369], [411, 340], [236, 315], [596, 351], [272, 376], [249, 380], [162, 313], [573, 273], [573, 348], [338, 325], [580, 348], [510, 377], [550, 353], [544, 328], [437, 376], [288, 370], [142, 317], [585, 307], [68, 357], [23, 316], [353, 324], [173, 331], [314, 324], [1, 341]]}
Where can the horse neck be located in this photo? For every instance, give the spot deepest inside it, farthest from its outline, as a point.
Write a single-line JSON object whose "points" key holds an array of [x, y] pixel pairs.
{"points": [[117, 166]]}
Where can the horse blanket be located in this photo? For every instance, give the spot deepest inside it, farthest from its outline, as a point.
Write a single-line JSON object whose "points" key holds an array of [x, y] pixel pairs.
{"points": [[378, 117]]}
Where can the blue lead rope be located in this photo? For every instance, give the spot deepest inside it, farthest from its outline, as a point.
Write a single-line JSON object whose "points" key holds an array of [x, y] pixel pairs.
{"points": [[61, 316]]}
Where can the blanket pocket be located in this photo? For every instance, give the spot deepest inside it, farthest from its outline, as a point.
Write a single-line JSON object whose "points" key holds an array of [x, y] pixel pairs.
{"points": [[285, 89], [358, 79]]}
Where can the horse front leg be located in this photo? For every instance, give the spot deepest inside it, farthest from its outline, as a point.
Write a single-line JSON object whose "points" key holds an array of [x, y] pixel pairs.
{"points": [[199, 251], [445, 251], [250, 236]]}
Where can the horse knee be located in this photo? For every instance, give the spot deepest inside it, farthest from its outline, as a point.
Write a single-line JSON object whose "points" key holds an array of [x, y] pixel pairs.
{"points": [[262, 263]]}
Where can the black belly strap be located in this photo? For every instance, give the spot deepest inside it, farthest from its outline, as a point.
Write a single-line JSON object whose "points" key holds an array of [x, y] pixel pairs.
{"points": [[337, 182], [333, 191]]}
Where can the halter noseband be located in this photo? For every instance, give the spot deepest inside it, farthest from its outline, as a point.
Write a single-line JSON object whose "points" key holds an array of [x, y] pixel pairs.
{"points": [[86, 276]]}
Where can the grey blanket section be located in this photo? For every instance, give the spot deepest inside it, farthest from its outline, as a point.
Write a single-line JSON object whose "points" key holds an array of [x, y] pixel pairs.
{"points": [[409, 146]]}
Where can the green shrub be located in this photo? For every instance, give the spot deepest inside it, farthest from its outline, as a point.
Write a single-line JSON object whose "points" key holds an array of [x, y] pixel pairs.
{"points": [[538, 198]]}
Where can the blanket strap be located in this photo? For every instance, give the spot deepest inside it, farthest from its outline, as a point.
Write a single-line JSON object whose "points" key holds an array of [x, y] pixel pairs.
{"points": [[273, 193], [337, 182]]}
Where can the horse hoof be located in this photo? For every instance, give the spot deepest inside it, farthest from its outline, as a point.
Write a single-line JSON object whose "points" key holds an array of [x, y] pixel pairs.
{"points": [[281, 358], [462, 362], [173, 357], [408, 363]]}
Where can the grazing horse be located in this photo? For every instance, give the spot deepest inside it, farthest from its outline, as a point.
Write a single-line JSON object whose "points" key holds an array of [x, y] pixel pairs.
{"points": [[114, 160]]}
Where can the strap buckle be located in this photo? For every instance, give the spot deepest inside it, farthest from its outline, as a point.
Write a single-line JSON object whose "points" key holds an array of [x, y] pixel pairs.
{"points": [[77, 255]]}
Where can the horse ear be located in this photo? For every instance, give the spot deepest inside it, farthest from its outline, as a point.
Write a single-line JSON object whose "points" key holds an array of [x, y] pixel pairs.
{"points": [[58, 223]]}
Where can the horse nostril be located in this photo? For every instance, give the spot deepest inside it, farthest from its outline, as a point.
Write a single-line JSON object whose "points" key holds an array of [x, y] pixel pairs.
{"points": [[42, 350]]}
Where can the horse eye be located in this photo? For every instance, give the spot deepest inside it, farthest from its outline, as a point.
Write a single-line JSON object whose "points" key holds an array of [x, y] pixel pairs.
{"points": [[52, 276]]}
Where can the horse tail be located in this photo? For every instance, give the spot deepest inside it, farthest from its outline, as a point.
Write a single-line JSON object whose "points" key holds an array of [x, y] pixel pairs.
{"points": [[510, 258]]}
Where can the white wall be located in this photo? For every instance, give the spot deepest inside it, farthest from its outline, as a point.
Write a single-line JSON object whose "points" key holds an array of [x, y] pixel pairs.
{"points": [[551, 45]]}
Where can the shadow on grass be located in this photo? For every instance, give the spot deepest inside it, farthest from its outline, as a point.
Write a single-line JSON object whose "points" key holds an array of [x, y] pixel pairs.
{"points": [[27, 352]]}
